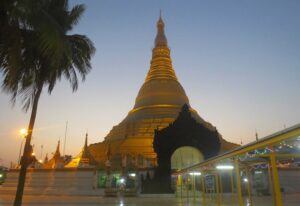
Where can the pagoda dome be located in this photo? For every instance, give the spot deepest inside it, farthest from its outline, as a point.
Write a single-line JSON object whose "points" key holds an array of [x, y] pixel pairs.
{"points": [[161, 92]]}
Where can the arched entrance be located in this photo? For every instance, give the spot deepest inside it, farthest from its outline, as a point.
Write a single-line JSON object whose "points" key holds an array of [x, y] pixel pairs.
{"points": [[186, 133], [185, 156]]}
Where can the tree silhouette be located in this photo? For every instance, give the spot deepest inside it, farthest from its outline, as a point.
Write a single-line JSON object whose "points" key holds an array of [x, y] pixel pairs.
{"points": [[36, 50]]}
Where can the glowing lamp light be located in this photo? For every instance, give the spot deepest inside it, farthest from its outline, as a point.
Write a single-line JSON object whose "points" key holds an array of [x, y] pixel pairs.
{"points": [[122, 180], [224, 167], [33, 154], [40, 161], [132, 174], [195, 173], [23, 132], [1, 175], [245, 180]]}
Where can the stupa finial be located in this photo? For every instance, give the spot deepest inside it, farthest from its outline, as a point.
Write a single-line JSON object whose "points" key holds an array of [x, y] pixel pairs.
{"points": [[58, 146], [86, 140], [256, 135], [160, 40], [57, 152], [161, 63]]}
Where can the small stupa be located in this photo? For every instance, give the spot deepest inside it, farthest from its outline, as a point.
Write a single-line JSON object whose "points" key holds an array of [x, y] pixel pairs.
{"points": [[84, 159], [57, 161]]}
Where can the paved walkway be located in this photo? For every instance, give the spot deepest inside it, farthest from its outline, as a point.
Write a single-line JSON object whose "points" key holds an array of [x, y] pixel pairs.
{"points": [[7, 200]]}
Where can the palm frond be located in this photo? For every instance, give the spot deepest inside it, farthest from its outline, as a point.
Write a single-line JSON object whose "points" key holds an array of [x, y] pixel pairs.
{"points": [[36, 50], [75, 15]]}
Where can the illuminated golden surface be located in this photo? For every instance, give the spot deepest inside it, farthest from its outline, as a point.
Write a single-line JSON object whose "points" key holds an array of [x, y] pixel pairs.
{"points": [[57, 161], [156, 106], [84, 159]]}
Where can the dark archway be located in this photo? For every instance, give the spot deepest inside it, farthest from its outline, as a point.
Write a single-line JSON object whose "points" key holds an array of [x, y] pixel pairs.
{"points": [[184, 131]]}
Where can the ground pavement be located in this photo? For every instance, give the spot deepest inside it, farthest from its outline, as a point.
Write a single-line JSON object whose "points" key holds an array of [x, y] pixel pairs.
{"points": [[7, 200]]}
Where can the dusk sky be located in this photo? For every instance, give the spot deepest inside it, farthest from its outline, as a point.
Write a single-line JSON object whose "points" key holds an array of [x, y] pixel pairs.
{"points": [[238, 61]]}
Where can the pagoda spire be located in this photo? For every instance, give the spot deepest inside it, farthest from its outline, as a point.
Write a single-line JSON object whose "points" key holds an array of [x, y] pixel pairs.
{"points": [[85, 154], [161, 63], [256, 136], [57, 161], [84, 158], [86, 140], [57, 152], [85, 150], [160, 39]]}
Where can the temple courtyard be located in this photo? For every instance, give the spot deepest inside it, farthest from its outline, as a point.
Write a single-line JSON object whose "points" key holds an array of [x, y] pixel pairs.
{"points": [[7, 200]]}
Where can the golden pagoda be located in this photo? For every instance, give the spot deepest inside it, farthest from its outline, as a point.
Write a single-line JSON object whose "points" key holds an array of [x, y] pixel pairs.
{"points": [[84, 159], [156, 106], [57, 161]]}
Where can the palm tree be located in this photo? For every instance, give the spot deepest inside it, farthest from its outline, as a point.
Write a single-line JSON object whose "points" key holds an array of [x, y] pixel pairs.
{"points": [[38, 53]]}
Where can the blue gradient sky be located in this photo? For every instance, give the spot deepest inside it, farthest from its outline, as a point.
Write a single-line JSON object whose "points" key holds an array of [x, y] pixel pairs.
{"points": [[239, 62]]}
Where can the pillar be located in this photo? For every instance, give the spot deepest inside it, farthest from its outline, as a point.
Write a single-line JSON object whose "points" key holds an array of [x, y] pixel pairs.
{"points": [[276, 183], [249, 190], [238, 181], [203, 190]]}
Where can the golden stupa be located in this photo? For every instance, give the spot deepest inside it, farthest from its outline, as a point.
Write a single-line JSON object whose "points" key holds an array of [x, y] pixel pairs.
{"points": [[84, 159], [156, 106], [57, 161]]}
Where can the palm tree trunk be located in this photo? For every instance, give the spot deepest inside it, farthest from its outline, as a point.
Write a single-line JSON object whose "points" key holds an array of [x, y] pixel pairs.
{"points": [[25, 160]]}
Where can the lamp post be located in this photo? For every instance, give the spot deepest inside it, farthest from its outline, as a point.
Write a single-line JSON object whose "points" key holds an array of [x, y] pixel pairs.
{"points": [[42, 147], [23, 133]]}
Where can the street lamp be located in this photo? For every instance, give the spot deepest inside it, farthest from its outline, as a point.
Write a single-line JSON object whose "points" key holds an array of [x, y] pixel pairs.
{"points": [[23, 132]]}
